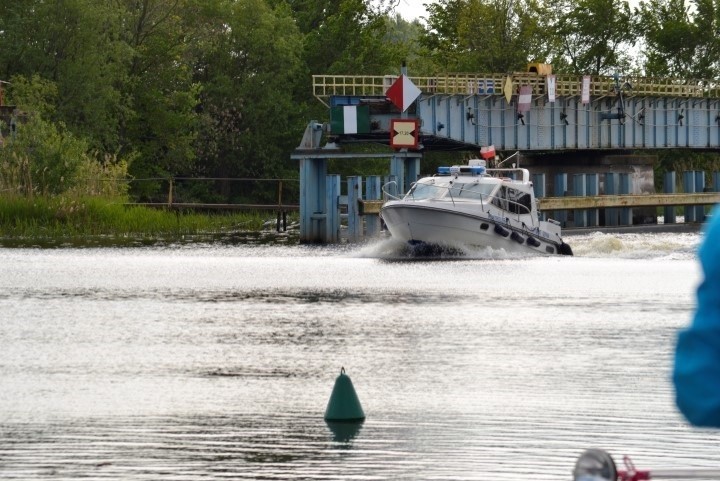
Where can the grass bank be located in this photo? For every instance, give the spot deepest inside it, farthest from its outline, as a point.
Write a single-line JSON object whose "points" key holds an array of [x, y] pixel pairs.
{"points": [[65, 218]]}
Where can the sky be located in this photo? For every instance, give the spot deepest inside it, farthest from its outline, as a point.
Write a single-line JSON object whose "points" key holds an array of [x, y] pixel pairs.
{"points": [[412, 9]]}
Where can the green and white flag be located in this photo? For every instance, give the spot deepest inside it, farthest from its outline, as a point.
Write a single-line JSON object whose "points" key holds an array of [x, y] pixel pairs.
{"points": [[350, 119]]}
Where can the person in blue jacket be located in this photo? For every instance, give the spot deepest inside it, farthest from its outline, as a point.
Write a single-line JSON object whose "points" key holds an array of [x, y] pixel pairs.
{"points": [[697, 357]]}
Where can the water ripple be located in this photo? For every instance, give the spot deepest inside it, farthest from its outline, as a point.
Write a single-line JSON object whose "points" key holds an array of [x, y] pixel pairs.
{"points": [[218, 364]]}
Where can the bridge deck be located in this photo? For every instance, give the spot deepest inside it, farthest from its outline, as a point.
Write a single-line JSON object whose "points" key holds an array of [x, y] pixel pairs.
{"points": [[473, 110]]}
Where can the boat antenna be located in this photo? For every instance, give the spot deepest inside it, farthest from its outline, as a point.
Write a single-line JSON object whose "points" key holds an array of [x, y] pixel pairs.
{"points": [[513, 155]]}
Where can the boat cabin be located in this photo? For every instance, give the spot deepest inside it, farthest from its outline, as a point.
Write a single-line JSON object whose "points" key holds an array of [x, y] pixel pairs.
{"points": [[474, 182]]}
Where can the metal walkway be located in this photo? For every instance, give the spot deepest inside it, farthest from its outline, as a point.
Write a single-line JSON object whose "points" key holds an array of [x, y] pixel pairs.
{"points": [[473, 110]]}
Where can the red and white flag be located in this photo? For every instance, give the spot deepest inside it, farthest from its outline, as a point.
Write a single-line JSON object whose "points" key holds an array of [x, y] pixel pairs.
{"points": [[525, 98], [403, 93], [487, 153]]}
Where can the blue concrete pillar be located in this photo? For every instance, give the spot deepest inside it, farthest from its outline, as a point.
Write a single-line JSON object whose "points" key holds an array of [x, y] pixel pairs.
{"points": [[669, 183], [699, 187], [611, 188], [406, 170], [355, 226], [372, 192], [561, 188], [332, 201], [312, 199], [625, 188], [689, 188], [397, 170], [580, 190], [412, 171], [716, 181], [538, 181], [592, 189]]}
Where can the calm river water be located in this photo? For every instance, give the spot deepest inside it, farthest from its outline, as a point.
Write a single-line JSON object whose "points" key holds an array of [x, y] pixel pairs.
{"points": [[212, 361]]}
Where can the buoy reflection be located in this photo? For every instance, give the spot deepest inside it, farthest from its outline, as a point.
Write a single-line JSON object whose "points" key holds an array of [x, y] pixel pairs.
{"points": [[344, 431]]}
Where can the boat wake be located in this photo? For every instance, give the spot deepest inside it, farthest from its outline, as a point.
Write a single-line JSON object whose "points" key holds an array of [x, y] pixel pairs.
{"points": [[636, 246], [394, 250], [669, 246]]}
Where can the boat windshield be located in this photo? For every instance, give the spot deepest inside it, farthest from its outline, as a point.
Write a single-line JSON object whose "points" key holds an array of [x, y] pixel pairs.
{"points": [[457, 190], [472, 190], [429, 190]]}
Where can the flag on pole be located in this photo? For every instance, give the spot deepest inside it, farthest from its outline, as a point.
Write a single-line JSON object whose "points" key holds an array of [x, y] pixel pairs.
{"points": [[525, 98], [551, 88], [350, 119], [403, 93], [508, 89], [586, 89], [487, 153]]}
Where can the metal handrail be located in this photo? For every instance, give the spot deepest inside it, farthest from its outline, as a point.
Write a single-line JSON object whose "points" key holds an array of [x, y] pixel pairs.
{"points": [[387, 194], [492, 84]]}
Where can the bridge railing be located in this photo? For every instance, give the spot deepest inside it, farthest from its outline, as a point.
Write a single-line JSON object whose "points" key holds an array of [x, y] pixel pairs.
{"points": [[325, 86]]}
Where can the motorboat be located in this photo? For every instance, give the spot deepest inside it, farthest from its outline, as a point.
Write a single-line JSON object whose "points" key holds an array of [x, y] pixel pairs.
{"points": [[473, 206]]}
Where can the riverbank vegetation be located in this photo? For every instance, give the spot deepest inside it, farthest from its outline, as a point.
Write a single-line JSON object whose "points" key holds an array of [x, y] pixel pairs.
{"points": [[114, 99], [65, 219]]}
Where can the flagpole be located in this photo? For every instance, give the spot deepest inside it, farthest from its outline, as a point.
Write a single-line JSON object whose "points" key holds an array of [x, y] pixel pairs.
{"points": [[403, 71]]}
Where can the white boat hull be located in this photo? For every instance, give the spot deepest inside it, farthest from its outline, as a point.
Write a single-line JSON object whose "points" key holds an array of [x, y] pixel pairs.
{"points": [[432, 224]]}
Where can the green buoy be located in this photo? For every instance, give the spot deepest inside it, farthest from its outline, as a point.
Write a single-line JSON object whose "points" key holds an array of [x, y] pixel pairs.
{"points": [[344, 404]]}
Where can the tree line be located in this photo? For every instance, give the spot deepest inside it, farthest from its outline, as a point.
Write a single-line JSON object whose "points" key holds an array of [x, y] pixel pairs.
{"points": [[222, 88]]}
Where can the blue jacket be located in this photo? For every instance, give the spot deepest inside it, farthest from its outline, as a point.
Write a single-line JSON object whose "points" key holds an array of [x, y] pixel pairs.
{"points": [[697, 357]]}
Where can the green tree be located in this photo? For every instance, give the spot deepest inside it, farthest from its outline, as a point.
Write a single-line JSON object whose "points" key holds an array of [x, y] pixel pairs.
{"points": [[594, 36], [707, 22], [345, 37], [441, 36], [486, 35], [47, 154], [504, 35], [162, 36], [45, 158], [34, 94], [404, 38], [250, 118], [671, 39], [76, 45]]}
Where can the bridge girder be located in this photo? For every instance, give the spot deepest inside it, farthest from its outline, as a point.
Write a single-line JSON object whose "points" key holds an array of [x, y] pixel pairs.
{"points": [[461, 111]]}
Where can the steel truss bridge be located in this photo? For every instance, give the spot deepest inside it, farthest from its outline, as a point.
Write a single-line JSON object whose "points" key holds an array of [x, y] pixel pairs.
{"points": [[474, 110], [513, 112]]}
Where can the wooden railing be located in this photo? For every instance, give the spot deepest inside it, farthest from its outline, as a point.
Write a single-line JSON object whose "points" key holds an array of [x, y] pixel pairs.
{"points": [[172, 202], [597, 201]]}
